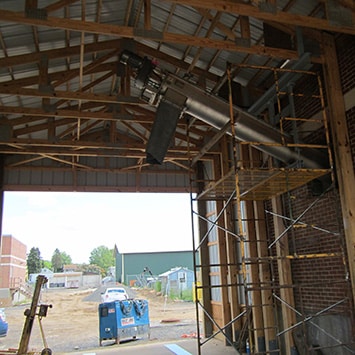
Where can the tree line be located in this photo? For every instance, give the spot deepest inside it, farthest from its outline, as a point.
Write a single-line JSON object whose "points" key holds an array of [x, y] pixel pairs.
{"points": [[101, 258]]}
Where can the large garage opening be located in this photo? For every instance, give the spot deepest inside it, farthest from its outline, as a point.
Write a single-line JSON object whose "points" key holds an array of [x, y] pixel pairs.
{"points": [[245, 110]]}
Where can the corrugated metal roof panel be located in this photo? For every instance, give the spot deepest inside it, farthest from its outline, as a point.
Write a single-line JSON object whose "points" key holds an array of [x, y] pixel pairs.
{"points": [[192, 25]]}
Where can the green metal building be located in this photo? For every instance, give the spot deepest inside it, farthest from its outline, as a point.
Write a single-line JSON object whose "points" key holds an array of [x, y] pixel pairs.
{"points": [[133, 266]]}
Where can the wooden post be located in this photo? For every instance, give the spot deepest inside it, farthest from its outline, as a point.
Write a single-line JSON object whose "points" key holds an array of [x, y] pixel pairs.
{"points": [[285, 277], [203, 253], [257, 314], [222, 253], [342, 149], [147, 15], [232, 246], [265, 279], [223, 273]]}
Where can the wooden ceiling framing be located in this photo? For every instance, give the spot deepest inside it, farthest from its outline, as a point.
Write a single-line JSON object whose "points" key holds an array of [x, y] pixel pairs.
{"points": [[63, 95]]}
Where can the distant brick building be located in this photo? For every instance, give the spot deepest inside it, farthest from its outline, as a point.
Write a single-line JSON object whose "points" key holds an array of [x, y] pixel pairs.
{"points": [[13, 268]]}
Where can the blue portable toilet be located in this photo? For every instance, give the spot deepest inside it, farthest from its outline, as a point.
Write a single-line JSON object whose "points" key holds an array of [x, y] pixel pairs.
{"points": [[123, 319]]}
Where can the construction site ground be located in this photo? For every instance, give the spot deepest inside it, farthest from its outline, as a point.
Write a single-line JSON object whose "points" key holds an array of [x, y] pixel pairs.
{"points": [[72, 324]]}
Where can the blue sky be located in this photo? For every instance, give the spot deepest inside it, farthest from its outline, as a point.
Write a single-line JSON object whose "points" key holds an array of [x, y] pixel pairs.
{"points": [[77, 222]]}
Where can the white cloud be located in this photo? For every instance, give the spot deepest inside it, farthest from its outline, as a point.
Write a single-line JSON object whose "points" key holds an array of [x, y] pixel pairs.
{"points": [[79, 222]]}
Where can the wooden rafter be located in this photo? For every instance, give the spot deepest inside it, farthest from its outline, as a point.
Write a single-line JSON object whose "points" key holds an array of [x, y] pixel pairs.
{"points": [[286, 18], [58, 5], [89, 112], [85, 148], [70, 95], [147, 15], [129, 32], [209, 33]]}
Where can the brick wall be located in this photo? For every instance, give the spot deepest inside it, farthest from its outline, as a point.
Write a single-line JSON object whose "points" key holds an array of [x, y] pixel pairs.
{"points": [[350, 115], [308, 104], [13, 268], [320, 282], [346, 58]]}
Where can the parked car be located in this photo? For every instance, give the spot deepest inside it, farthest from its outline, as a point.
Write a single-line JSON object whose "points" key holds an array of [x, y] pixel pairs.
{"points": [[3, 323], [114, 294]]}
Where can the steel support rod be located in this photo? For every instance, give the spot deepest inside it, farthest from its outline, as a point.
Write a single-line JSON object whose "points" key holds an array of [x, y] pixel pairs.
{"points": [[309, 319], [300, 216], [221, 329]]}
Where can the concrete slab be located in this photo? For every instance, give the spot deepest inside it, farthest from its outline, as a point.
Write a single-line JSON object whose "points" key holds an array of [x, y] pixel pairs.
{"points": [[180, 347]]}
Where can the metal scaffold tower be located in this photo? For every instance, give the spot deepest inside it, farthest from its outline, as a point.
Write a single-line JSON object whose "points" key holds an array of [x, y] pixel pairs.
{"points": [[261, 233]]}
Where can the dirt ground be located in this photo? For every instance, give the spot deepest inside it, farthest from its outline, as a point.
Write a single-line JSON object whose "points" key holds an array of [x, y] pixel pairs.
{"points": [[73, 322]]}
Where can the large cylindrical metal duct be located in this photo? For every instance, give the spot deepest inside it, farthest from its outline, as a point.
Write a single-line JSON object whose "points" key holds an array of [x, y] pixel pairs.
{"points": [[215, 112]]}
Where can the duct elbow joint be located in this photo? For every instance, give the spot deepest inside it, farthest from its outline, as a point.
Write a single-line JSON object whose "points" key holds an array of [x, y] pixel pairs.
{"points": [[143, 66], [147, 78], [131, 59]]}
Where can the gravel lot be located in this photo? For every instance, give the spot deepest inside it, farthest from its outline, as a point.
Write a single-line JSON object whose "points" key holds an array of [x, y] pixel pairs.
{"points": [[73, 323]]}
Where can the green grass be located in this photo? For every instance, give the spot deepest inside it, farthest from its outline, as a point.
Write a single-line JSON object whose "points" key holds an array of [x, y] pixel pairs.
{"points": [[185, 295]]}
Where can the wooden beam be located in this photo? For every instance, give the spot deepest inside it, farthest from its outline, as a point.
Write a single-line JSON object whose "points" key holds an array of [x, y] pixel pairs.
{"points": [[83, 148], [85, 70], [235, 300], [342, 149], [160, 56], [71, 95], [225, 29], [257, 314], [59, 53], [208, 34], [286, 18], [44, 85], [59, 76], [147, 15], [204, 258], [223, 269], [233, 272], [285, 278], [350, 4], [265, 279], [211, 142], [130, 32], [245, 27], [96, 47], [58, 5], [31, 4], [67, 113]]}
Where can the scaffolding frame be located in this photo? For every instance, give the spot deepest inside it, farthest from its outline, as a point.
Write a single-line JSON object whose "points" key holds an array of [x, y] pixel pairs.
{"points": [[254, 301]]}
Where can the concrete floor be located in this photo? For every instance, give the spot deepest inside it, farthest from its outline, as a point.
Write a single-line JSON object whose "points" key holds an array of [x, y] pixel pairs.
{"points": [[180, 347]]}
